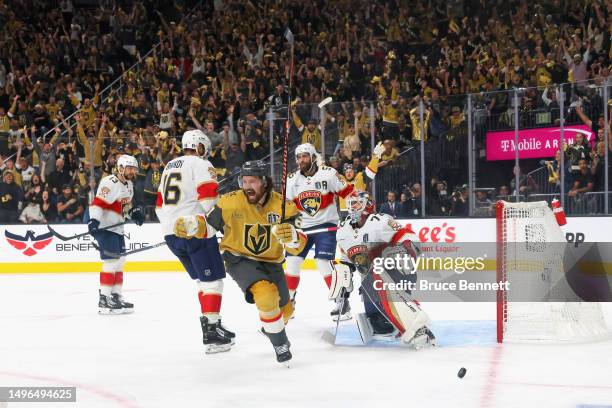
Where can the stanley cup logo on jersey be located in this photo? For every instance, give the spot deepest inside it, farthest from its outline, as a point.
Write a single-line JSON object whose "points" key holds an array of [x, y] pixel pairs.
{"points": [[310, 201], [257, 238]]}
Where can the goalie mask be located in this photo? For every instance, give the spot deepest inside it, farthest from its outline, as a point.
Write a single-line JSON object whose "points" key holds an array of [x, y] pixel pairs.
{"points": [[359, 205]]}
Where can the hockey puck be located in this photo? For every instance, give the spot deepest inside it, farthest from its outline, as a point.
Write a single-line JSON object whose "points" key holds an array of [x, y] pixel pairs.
{"points": [[461, 372]]}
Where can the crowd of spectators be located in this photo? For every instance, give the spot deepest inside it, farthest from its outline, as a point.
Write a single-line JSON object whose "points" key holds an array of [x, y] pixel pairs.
{"points": [[225, 65]]}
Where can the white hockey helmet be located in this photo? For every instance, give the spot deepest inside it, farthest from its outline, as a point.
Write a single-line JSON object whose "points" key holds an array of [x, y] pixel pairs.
{"points": [[125, 160], [192, 138], [306, 148]]}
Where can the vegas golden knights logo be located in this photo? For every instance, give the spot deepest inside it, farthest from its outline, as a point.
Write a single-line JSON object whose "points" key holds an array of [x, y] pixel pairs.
{"points": [[310, 201], [257, 238]]}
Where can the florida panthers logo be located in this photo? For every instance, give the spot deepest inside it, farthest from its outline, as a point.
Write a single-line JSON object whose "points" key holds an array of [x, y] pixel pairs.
{"points": [[358, 255], [30, 244], [310, 201]]}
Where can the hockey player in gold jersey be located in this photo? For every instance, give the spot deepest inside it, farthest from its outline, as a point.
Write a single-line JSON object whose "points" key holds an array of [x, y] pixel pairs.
{"points": [[253, 247]]}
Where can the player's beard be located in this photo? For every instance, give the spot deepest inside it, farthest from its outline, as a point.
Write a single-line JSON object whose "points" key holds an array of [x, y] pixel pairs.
{"points": [[253, 196], [305, 167]]}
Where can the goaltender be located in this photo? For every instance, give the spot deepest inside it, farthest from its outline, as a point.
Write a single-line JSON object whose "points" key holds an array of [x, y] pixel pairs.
{"points": [[253, 247]]}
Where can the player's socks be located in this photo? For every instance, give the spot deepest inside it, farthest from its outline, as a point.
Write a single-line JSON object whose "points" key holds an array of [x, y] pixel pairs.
{"points": [[327, 279], [108, 305], [107, 280], [213, 339], [210, 305]]}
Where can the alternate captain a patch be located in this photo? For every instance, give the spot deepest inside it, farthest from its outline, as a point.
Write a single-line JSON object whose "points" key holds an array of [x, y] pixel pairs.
{"points": [[310, 201], [257, 238]]}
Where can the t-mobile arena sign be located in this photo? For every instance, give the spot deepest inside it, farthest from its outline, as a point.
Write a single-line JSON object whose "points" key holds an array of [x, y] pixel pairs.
{"points": [[532, 143]]}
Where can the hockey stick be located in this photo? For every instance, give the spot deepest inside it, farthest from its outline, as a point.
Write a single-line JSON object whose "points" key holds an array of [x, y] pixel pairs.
{"points": [[316, 231], [291, 41], [135, 251], [65, 238], [159, 244]]}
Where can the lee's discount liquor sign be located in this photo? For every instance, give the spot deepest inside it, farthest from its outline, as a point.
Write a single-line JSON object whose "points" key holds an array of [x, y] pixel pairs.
{"points": [[532, 143]]}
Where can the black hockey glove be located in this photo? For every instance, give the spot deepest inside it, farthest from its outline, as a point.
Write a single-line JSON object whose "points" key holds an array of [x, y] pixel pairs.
{"points": [[93, 226], [137, 215]]}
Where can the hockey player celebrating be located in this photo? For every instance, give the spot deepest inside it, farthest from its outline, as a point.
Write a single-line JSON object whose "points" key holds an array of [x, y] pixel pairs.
{"points": [[112, 203], [362, 237], [253, 245], [187, 191], [313, 188]]}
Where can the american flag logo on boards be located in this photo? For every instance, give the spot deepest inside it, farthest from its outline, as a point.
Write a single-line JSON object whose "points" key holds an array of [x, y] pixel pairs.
{"points": [[29, 244]]}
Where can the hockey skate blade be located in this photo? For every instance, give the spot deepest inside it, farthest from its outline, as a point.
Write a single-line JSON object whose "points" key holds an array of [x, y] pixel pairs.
{"points": [[217, 348], [108, 312], [127, 310]]}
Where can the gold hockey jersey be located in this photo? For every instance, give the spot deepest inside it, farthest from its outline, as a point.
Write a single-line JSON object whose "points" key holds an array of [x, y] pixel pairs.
{"points": [[247, 228]]}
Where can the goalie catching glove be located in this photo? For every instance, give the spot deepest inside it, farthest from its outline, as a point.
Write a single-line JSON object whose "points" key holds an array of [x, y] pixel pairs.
{"points": [[190, 226]]}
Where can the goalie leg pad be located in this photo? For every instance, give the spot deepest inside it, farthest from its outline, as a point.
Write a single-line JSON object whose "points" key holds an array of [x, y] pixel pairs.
{"points": [[411, 316], [341, 277], [266, 297]]}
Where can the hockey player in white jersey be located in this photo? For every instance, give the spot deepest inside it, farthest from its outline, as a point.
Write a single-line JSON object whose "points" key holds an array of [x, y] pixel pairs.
{"points": [[363, 237], [111, 205], [187, 192], [314, 188]]}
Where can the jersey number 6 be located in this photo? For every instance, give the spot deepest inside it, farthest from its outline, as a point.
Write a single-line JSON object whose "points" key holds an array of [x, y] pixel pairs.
{"points": [[172, 192]]}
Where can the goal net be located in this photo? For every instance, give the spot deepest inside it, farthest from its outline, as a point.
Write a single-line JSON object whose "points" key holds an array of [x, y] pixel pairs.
{"points": [[541, 306]]}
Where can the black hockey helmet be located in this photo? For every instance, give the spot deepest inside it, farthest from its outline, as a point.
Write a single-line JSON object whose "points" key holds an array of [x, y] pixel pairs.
{"points": [[256, 168]]}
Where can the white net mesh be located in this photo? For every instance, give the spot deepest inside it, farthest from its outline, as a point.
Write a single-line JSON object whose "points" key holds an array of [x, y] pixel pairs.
{"points": [[533, 257]]}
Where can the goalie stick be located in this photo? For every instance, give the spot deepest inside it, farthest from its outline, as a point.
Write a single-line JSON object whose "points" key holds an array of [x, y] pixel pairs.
{"points": [[159, 244], [65, 238]]}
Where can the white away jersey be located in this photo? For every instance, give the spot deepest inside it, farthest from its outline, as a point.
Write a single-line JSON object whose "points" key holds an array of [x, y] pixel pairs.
{"points": [[315, 195], [112, 202], [188, 186], [355, 243]]}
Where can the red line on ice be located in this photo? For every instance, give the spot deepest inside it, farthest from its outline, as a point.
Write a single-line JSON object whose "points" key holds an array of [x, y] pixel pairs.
{"points": [[486, 399]]}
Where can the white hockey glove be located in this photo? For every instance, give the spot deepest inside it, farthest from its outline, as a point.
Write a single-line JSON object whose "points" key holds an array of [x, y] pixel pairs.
{"points": [[190, 226], [341, 278], [286, 235], [378, 150]]}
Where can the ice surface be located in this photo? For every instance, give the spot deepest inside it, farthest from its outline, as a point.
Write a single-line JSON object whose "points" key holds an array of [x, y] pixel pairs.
{"points": [[50, 334]]}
